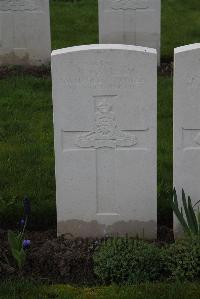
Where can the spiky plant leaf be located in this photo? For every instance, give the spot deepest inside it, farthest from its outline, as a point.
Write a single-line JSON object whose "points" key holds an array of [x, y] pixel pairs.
{"points": [[179, 213], [186, 210], [194, 223]]}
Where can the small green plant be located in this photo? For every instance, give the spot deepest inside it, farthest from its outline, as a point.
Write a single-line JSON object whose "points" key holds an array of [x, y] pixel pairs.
{"points": [[181, 260], [16, 239], [124, 260], [189, 221]]}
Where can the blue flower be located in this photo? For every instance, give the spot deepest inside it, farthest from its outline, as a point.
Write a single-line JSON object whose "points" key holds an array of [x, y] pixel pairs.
{"points": [[27, 206], [22, 222], [26, 244]]}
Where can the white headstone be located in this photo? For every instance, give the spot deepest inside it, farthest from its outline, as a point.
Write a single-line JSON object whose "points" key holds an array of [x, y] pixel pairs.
{"points": [[187, 124], [24, 32], [131, 22], [104, 99]]}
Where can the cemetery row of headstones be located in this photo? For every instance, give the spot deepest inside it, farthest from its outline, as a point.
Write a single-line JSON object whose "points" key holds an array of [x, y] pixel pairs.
{"points": [[25, 28], [105, 115], [105, 99]]}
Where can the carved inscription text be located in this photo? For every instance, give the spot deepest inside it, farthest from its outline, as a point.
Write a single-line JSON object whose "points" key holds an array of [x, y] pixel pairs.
{"points": [[18, 5], [129, 4]]}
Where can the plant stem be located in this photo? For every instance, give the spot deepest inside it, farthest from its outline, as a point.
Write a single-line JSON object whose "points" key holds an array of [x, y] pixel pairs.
{"points": [[24, 227]]}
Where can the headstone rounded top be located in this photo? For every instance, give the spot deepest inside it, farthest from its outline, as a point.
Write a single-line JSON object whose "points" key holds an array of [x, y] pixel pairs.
{"points": [[104, 47], [187, 48]]}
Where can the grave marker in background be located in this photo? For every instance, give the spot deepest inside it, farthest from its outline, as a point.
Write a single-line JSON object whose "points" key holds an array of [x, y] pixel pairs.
{"points": [[104, 99], [133, 22], [187, 123], [24, 32]]}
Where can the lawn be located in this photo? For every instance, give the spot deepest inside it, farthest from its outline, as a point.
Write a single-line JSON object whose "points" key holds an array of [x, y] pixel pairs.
{"points": [[26, 129], [26, 149], [22, 290]]}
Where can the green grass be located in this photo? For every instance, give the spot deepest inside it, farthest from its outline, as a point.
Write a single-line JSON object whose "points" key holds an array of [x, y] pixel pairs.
{"points": [[180, 25], [165, 143], [77, 23], [74, 23], [26, 149], [23, 290]]}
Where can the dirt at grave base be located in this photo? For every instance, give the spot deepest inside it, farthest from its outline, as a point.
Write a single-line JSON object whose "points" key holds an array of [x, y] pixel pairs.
{"points": [[165, 69], [58, 260], [52, 259]]}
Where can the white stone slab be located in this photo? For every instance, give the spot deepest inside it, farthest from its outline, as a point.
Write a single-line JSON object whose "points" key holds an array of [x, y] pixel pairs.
{"points": [[187, 123], [104, 99], [24, 32], [134, 22]]}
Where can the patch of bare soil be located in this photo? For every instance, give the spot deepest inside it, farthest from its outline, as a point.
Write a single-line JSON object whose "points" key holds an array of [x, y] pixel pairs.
{"points": [[52, 259], [165, 69], [58, 260], [42, 71]]}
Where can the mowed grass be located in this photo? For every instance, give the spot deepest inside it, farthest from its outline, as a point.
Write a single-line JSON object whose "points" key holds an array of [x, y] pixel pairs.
{"points": [[180, 25], [26, 149], [165, 149], [22, 290], [76, 23], [27, 153]]}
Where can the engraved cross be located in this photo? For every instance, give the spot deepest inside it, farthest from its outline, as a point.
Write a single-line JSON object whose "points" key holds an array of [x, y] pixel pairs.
{"points": [[190, 139], [129, 9], [105, 139]]}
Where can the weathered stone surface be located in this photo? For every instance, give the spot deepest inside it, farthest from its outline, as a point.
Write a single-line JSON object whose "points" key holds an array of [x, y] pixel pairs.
{"points": [[187, 123], [133, 22], [104, 99], [24, 32]]}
